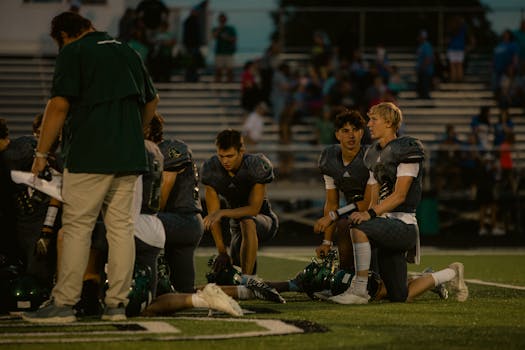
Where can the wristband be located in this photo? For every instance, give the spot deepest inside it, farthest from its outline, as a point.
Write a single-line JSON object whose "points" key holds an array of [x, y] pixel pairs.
{"points": [[327, 242], [372, 213], [333, 215], [41, 154], [346, 210]]}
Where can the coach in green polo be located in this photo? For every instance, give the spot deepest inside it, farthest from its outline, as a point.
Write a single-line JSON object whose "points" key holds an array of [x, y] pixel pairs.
{"points": [[101, 97]]}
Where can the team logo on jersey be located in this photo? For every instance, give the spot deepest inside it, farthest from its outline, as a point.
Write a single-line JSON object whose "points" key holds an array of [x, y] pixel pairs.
{"points": [[174, 153]]}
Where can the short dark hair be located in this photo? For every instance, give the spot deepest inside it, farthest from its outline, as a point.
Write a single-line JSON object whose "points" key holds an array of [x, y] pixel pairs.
{"points": [[70, 23], [4, 131], [352, 117], [229, 138]]}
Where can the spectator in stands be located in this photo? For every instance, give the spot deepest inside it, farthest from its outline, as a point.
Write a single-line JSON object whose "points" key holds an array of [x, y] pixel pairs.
{"points": [[457, 40], [447, 168], [381, 62], [324, 127], [424, 65], [102, 159], [481, 127], [152, 13], [504, 61], [138, 43], [253, 126], [127, 25], [281, 91], [321, 53], [161, 57], [267, 66], [180, 207], [250, 87], [396, 84], [241, 180], [192, 40], [508, 185], [225, 47], [485, 198], [502, 127], [519, 37]]}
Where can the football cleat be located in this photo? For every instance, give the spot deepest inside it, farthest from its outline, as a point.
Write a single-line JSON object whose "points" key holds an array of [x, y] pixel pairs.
{"points": [[263, 291], [440, 289], [458, 282], [218, 300], [350, 297]]}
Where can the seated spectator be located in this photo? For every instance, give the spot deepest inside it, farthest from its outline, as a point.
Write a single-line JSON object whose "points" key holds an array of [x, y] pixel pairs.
{"points": [[252, 129]]}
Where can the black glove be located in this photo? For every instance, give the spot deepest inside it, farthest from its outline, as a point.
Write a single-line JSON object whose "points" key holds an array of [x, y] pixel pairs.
{"points": [[222, 262], [42, 245]]}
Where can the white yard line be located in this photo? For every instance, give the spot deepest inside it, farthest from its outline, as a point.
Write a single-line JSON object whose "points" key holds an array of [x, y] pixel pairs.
{"points": [[270, 327]]}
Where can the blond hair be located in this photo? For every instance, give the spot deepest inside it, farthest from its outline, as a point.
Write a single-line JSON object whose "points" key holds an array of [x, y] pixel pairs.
{"points": [[389, 112]]}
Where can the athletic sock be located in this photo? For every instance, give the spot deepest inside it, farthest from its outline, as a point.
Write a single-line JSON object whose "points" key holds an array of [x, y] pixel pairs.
{"points": [[443, 276], [198, 301], [362, 256], [243, 293]]}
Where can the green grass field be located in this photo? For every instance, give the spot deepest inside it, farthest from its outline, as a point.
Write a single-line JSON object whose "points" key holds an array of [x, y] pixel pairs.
{"points": [[492, 317]]}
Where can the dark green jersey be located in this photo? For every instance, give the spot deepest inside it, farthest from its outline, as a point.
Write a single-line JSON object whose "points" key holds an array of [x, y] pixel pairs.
{"points": [[107, 86]]}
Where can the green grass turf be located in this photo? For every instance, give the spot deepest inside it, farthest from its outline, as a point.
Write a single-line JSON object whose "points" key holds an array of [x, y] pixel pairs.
{"points": [[492, 317]]}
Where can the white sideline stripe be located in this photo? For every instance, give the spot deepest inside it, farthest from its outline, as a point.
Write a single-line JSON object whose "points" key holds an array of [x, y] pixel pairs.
{"points": [[272, 327], [494, 284]]}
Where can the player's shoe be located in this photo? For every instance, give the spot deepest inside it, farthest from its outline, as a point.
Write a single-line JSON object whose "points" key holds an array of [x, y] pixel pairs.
{"points": [[350, 297], [324, 294], [458, 283], [218, 300], [49, 312], [264, 291], [440, 289]]}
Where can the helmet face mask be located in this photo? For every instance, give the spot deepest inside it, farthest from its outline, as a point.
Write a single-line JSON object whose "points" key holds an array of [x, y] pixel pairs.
{"points": [[140, 294], [25, 293], [229, 276], [316, 276]]}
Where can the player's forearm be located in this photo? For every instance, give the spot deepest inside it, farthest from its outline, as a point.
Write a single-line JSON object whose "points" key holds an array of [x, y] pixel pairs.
{"points": [[216, 232], [52, 123]]}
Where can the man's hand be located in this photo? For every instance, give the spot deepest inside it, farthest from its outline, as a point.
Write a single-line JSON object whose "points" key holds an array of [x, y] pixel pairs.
{"points": [[211, 219], [42, 245], [222, 261], [39, 164], [359, 216], [322, 224], [323, 250]]}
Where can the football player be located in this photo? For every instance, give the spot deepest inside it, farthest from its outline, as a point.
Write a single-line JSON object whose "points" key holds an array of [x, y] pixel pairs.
{"points": [[180, 207], [240, 179], [395, 165]]}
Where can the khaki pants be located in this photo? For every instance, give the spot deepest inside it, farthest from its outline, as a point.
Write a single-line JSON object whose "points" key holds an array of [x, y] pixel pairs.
{"points": [[85, 196]]}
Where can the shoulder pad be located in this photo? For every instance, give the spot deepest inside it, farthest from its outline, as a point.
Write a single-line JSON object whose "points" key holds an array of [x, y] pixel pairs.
{"points": [[371, 154], [408, 150], [211, 171], [19, 153], [259, 167], [327, 155], [176, 154]]}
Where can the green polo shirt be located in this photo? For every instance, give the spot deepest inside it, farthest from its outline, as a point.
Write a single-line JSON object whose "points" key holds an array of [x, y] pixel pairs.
{"points": [[107, 86]]}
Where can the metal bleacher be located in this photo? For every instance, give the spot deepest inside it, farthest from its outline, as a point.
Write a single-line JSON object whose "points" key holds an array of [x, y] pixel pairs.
{"points": [[195, 112]]}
